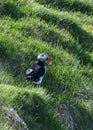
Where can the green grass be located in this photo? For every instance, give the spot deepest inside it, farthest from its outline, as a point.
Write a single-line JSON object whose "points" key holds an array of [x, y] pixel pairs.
{"points": [[28, 28], [61, 20], [47, 33], [34, 102], [74, 5]]}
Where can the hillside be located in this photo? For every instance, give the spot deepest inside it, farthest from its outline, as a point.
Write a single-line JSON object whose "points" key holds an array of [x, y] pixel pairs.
{"points": [[64, 30]]}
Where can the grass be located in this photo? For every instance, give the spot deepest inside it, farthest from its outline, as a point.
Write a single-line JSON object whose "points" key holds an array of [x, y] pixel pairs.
{"points": [[34, 101], [43, 31], [61, 20], [74, 5], [28, 28]]}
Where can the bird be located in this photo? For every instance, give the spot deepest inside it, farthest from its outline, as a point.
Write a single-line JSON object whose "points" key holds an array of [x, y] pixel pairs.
{"points": [[37, 71]]}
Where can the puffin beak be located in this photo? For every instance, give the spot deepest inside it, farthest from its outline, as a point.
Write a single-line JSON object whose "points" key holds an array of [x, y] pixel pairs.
{"points": [[49, 59]]}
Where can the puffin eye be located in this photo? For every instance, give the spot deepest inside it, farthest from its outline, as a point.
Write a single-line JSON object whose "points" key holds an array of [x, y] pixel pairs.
{"points": [[43, 55]]}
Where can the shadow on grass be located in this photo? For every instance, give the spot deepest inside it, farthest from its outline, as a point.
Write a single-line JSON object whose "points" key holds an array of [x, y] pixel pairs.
{"points": [[13, 63], [54, 85], [83, 7], [9, 9], [75, 6], [72, 46], [85, 39], [82, 116], [40, 110]]}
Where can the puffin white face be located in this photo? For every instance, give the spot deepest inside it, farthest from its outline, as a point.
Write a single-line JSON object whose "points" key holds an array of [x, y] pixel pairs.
{"points": [[43, 57]]}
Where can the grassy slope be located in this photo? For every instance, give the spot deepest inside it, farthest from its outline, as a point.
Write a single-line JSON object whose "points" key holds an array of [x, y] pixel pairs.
{"points": [[28, 28], [75, 5]]}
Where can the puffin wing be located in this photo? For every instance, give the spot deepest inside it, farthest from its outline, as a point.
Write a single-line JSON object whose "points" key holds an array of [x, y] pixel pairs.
{"points": [[29, 71], [34, 72]]}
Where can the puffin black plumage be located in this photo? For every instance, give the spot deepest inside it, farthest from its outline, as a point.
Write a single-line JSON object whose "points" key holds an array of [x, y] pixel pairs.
{"points": [[37, 71]]}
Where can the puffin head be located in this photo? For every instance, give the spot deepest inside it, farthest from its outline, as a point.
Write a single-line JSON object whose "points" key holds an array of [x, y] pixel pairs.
{"points": [[44, 57]]}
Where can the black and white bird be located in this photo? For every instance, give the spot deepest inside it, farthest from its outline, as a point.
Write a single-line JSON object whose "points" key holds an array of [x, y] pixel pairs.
{"points": [[37, 71]]}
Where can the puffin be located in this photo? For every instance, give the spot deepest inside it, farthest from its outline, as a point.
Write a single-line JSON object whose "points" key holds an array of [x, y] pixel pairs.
{"points": [[37, 71]]}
